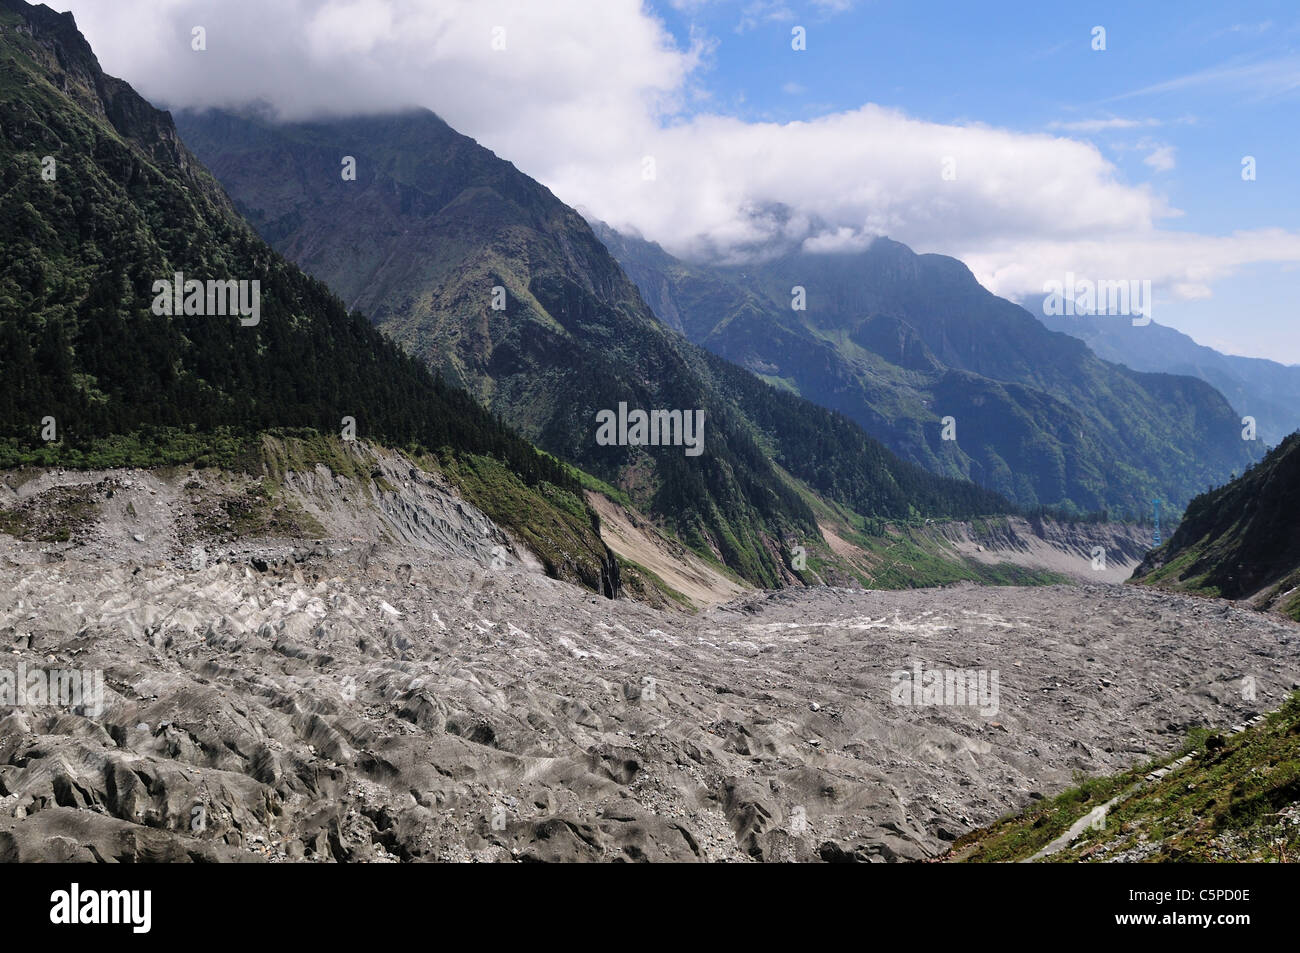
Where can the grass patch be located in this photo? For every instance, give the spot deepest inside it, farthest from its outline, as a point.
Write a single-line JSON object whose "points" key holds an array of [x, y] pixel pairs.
{"points": [[144, 449], [554, 523], [1236, 800], [1021, 835]]}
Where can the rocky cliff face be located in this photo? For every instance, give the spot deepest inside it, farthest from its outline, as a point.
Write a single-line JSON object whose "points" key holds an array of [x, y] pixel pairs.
{"points": [[71, 66]]}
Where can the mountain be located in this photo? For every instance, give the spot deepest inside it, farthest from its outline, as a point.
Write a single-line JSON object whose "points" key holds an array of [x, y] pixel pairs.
{"points": [[897, 341], [100, 202], [434, 230], [1255, 387], [1242, 540]]}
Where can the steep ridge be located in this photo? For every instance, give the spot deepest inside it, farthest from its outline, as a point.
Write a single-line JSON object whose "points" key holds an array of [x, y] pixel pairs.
{"points": [[433, 226], [1240, 541], [99, 201], [1265, 390], [897, 341]]}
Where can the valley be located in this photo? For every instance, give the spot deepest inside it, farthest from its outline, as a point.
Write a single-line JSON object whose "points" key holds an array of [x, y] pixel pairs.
{"points": [[371, 669], [361, 500]]}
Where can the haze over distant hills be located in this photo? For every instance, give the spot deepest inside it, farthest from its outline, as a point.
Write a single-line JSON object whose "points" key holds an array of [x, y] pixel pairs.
{"points": [[1263, 389]]}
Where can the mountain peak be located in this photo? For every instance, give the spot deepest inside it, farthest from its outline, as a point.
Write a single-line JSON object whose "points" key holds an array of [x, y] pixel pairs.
{"points": [[64, 58], [438, 225]]}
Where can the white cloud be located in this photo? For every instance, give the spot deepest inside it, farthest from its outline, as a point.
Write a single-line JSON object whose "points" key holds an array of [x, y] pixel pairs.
{"points": [[1264, 79], [723, 183], [1263, 26], [570, 62], [1116, 123], [1101, 125], [1161, 158], [1184, 264], [757, 12], [583, 91], [754, 11]]}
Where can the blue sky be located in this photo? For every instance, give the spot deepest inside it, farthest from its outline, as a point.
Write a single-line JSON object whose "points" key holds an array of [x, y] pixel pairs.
{"points": [[1196, 86]]}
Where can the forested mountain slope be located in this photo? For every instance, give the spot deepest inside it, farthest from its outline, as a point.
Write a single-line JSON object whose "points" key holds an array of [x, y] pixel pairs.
{"points": [[1242, 540], [897, 341], [435, 230], [100, 200]]}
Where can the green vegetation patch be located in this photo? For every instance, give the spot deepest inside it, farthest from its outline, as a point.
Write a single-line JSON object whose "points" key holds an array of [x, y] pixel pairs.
{"points": [[554, 522], [1238, 799]]}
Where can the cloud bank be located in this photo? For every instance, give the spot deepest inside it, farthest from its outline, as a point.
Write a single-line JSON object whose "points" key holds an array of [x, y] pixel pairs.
{"points": [[579, 94]]}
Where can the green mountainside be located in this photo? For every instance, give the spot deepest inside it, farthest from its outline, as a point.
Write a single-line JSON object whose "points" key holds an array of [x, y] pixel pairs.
{"points": [[897, 341], [119, 204], [1239, 541], [1265, 390], [433, 223]]}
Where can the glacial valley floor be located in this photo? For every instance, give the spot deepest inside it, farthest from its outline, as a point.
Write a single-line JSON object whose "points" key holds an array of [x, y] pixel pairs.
{"points": [[342, 703]]}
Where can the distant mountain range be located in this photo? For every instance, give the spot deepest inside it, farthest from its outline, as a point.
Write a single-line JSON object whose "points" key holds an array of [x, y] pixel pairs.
{"points": [[1242, 540], [898, 341], [435, 230], [1265, 390]]}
